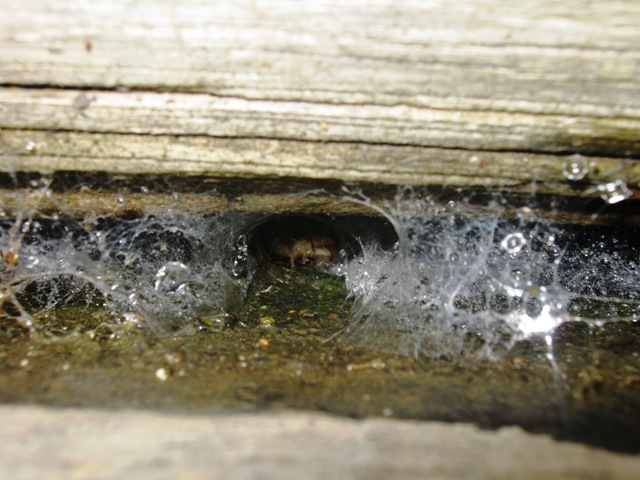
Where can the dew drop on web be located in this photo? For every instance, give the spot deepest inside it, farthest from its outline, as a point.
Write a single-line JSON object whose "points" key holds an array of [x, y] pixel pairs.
{"points": [[242, 254], [614, 192], [514, 242], [576, 168]]}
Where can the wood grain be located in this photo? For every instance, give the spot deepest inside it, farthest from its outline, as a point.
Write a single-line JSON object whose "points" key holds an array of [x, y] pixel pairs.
{"points": [[471, 94]]}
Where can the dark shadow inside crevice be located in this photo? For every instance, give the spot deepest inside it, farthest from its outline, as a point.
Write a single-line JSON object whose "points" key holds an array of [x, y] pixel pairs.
{"points": [[325, 238]]}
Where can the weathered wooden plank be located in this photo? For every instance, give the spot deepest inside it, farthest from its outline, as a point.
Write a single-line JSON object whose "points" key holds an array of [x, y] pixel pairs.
{"points": [[201, 114], [47, 152], [67, 443], [86, 202], [534, 55], [476, 94], [537, 76]]}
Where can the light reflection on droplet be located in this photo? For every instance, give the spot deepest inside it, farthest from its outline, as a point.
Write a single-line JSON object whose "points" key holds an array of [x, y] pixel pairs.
{"points": [[162, 374], [514, 242], [30, 147], [32, 262], [614, 192], [576, 168]]}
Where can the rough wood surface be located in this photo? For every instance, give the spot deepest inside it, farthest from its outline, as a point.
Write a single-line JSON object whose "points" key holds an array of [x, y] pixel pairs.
{"points": [[246, 157], [536, 56], [44, 443], [474, 93]]}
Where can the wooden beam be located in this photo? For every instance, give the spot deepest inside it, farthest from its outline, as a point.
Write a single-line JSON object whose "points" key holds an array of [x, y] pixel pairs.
{"points": [[155, 113], [535, 56], [473, 95], [47, 152]]}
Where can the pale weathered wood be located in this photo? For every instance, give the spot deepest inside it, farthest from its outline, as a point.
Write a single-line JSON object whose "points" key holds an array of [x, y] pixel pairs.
{"points": [[541, 56], [47, 443], [33, 150], [200, 114], [470, 94]]}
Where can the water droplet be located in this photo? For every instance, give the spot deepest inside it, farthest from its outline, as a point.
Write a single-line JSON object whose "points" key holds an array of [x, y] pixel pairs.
{"points": [[121, 200], [550, 240], [576, 168], [605, 259], [171, 277], [32, 261], [614, 192], [514, 242], [517, 275], [162, 374], [30, 147], [242, 254]]}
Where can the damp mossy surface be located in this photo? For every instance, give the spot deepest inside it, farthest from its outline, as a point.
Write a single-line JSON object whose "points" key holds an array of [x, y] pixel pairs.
{"points": [[285, 349]]}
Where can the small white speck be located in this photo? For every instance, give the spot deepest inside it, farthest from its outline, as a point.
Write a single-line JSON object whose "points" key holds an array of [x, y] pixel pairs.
{"points": [[162, 374], [30, 147]]}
